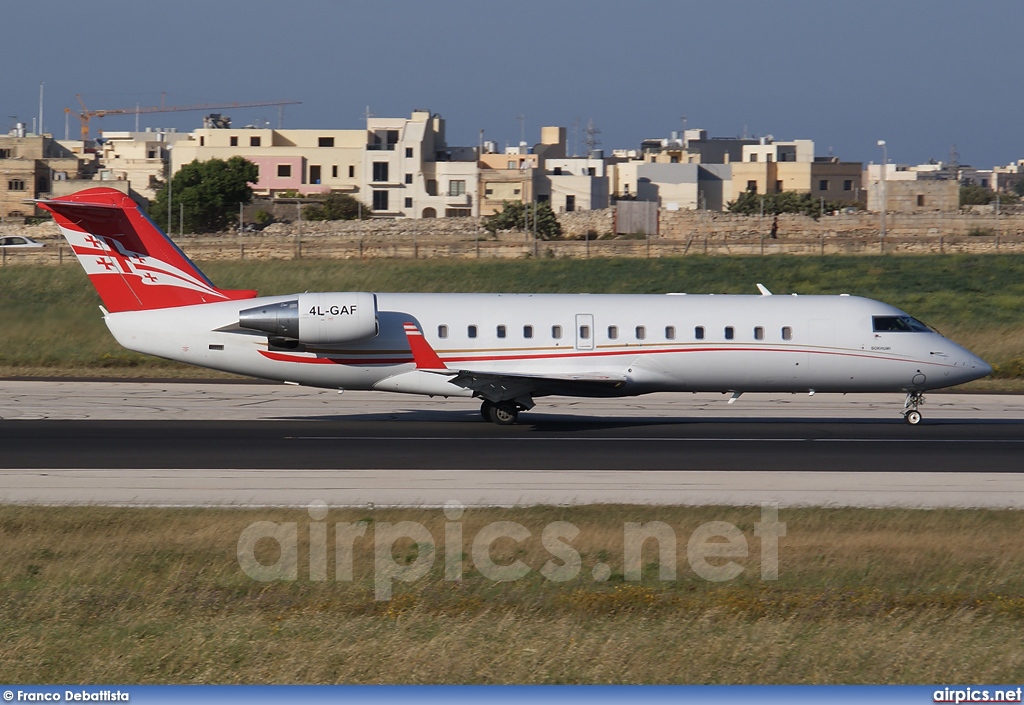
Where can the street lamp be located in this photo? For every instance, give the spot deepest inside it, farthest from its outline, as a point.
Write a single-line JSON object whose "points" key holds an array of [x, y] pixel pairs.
{"points": [[885, 196], [170, 178]]}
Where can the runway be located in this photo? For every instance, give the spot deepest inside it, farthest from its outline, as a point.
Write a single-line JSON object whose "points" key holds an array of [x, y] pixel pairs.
{"points": [[635, 445], [233, 444]]}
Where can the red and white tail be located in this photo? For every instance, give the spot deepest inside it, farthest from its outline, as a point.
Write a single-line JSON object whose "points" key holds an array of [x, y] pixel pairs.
{"points": [[133, 265]]}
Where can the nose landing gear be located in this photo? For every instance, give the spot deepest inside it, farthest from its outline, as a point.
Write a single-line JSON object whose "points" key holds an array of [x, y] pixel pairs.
{"points": [[910, 413]]}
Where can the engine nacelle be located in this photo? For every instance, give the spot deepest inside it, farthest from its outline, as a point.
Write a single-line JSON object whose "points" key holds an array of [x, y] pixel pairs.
{"points": [[320, 318]]}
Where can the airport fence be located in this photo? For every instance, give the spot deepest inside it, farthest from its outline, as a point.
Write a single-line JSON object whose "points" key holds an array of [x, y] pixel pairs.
{"points": [[248, 247]]}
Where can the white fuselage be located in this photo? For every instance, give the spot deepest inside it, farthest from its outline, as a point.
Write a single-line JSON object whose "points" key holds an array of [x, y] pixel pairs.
{"points": [[777, 343]]}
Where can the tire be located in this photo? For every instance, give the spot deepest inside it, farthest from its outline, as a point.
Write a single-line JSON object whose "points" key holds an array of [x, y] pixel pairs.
{"points": [[504, 413], [913, 417], [485, 410]]}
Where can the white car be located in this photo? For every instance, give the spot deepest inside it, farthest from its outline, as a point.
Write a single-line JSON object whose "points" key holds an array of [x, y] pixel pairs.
{"points": [[19, 241]]}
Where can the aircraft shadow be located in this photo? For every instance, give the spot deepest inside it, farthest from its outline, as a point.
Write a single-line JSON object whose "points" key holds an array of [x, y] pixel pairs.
{"points": [[560, 423]]}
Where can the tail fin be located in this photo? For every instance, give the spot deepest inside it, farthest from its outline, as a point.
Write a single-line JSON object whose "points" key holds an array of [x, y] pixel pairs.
{"points": [[133, 265]]}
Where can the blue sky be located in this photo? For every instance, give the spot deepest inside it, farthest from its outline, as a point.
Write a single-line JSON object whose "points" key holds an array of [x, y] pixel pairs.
{"points": [[921, 74]]}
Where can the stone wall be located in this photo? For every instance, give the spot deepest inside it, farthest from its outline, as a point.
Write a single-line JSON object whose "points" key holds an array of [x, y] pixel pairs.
{"points": [[681, 233], [683, 224]]}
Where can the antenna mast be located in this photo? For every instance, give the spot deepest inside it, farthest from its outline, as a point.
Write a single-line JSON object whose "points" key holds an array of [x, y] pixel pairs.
{"points": [[591, 140]]}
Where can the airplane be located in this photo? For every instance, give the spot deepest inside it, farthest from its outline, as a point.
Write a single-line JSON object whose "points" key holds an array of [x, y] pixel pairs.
{"points": [[504, 349]]}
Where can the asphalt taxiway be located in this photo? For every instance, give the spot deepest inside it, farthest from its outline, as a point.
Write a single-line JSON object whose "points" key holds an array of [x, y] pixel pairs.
{"points": [[241, 444]]}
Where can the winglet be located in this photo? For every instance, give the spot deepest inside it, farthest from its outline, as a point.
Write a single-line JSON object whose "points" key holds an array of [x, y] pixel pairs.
{"points": [[422, 354], [763, 289]]}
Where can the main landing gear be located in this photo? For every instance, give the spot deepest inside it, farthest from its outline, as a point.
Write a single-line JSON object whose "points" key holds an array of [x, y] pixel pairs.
{"points": [[910, 413], [503, 413]]}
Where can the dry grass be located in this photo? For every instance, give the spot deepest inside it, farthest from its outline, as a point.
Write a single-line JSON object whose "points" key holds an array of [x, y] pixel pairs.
{"points": [[133, 595]]}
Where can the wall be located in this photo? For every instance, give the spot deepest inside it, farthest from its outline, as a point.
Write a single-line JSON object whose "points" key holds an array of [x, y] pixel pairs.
{"points": [[681, 233], [902, 195]]}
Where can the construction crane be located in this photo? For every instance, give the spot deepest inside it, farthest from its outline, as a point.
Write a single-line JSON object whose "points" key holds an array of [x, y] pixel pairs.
{"points": [[87, 114]]}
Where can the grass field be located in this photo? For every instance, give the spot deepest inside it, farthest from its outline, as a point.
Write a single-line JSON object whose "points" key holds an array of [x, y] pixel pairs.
{"points": [[52, 326], [94, 595], [106, 595]]}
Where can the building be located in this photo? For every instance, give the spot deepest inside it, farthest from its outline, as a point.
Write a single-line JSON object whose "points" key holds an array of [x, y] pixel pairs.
{"points": [[410, 171], [777, 167], [694, 147], [289, 161], [908, 189], [1007, 178], [575, 183], [675, 186], [140, 158], [37, 166], [517, 174], [400, 167]]}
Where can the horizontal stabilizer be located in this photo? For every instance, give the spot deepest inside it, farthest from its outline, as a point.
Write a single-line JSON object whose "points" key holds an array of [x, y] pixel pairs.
{"points": [[133, 265]]}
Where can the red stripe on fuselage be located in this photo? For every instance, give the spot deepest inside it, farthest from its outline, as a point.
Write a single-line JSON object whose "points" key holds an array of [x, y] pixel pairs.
{"points": [[363, 361]]}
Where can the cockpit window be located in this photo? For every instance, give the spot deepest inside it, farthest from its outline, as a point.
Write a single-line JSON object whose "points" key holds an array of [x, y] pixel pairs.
{"points": [[899, 324]]}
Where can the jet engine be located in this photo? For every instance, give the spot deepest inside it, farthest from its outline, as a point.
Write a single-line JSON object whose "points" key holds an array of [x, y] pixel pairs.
{"points": [[316, 318]]}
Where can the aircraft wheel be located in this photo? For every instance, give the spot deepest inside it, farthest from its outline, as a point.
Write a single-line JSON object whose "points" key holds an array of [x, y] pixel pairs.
{"points": [[486, 410], [913, 417], [504, 413]]}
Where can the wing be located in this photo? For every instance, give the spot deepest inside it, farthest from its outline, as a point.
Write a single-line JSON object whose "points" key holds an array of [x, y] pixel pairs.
{"points": [[500, 386]]}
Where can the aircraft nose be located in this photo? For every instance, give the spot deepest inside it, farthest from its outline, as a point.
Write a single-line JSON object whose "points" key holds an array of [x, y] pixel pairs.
{"points": [[978, 367]]}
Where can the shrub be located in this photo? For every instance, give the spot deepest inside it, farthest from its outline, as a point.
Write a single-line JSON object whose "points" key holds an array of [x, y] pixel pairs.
{"points": [[515, 215], [337, 206]]}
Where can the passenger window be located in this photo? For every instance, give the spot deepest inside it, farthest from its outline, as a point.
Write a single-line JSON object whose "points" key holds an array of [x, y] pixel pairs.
{"points": [[729, 333], [698, 332], [670, 332], [613, 332], [758, 333], [502, 331], [471, 331], [442, 331], [527, 331], [787, 333], [556, 332], [641, 332], [585, 332]]}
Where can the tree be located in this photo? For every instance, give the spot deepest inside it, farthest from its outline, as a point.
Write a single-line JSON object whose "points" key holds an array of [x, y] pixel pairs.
{"points": [[210, 192], [749, 203], [974, 195], [516, 215], [337, 206]]}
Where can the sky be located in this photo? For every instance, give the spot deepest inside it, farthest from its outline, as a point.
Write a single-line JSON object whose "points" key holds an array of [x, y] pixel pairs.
{"points": [[923, 75]]}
